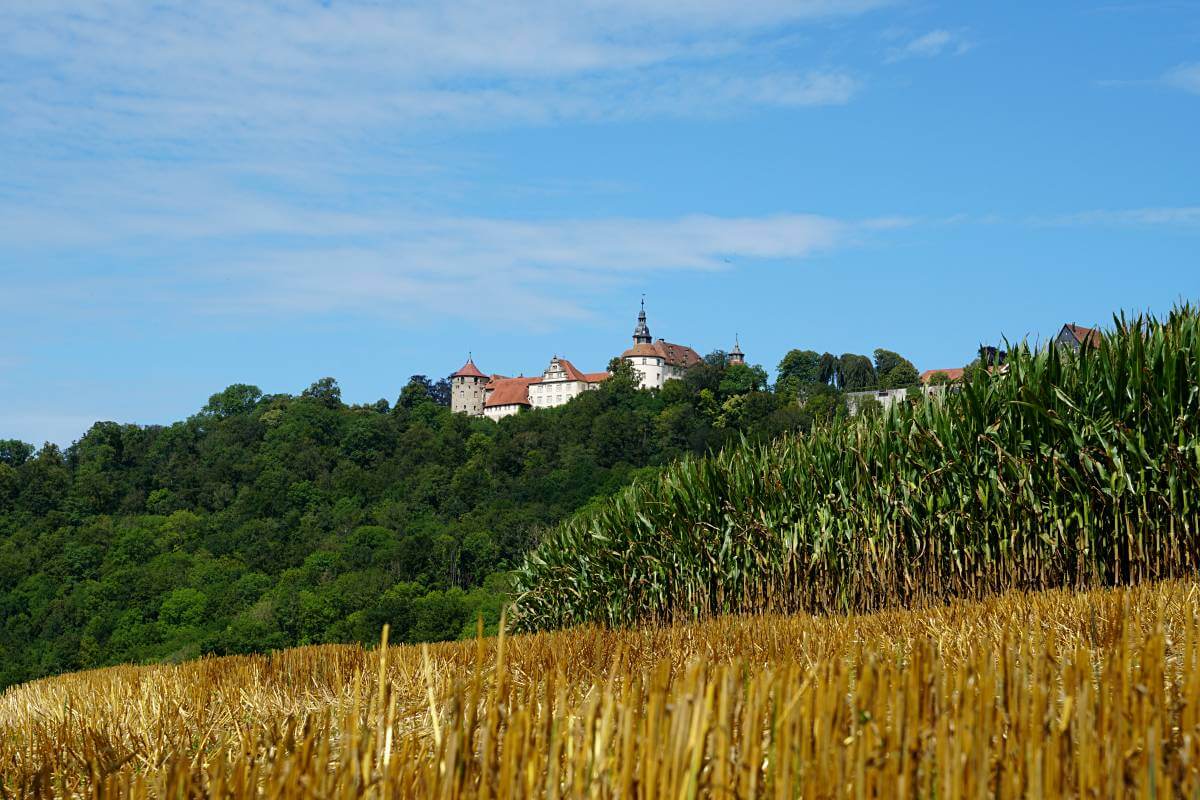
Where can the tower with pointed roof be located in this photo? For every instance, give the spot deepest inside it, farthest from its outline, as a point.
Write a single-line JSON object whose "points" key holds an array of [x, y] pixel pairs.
{"points": [[466, 389], [736, 356], [641, 334], [656, 362]]}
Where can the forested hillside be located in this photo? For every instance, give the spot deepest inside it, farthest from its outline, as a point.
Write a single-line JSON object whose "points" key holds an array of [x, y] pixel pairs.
{"points": [[268, 521]]}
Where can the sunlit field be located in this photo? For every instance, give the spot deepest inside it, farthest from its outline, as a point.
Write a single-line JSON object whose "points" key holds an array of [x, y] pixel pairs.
{"points": [[1093, 694]]}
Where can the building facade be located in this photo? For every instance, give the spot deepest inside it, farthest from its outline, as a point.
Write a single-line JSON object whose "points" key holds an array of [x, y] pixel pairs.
{"points": [[478, 394], [657, 361]]}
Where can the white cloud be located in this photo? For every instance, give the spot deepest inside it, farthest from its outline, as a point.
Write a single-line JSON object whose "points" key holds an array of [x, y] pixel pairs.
{"points": [[930, 45], [1185, 77], [175, 238], [1181, 216], [251, 155], [179, 74], [402, 265], [520, 269]]}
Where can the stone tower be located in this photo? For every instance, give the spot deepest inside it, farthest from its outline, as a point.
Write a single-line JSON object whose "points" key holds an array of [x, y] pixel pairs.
{"points": [[466, 390], [736, 356]]}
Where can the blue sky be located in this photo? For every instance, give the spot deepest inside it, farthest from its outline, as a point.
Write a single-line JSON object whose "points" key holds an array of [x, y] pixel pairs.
{"points": [[194, 194]]}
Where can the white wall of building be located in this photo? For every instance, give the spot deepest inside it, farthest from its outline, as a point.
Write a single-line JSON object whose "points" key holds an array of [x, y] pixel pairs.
{"points": [[496, 413], [889, 397], [555, 393], [651, 369]]}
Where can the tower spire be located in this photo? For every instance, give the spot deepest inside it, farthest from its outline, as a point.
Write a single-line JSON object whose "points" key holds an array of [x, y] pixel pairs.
{"points": [[736, 356], [641, 334]]}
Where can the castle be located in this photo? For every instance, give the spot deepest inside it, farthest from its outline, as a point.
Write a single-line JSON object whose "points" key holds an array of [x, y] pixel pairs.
{"points": [[495, 396]]}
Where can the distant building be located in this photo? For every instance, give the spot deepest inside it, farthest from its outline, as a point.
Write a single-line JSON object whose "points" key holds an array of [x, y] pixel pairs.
{"points": [[506, 396], [467, 389], [885, 397], [478, 394], [953, 375], [889, 397], [1074, 336], [736, 356], [497, 396], [658, 361]]}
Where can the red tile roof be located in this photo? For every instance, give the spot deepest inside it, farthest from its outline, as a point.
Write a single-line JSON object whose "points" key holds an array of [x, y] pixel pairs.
{"points": [[597, 377], [508, 392], [953, 374], [642, 349], [468, 370], [677, 355], [572, 373], [1082, 334]]}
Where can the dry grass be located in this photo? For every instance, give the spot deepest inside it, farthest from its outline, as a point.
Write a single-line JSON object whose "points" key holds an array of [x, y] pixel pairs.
{"points": [[1056, 694]]}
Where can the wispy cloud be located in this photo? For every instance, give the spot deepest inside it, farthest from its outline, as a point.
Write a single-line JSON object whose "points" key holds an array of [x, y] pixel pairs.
{"points": [[930, 45], [245, 255], [522, 269], [260, 155], [1185, 77], [1177, 216], [175, 75]]}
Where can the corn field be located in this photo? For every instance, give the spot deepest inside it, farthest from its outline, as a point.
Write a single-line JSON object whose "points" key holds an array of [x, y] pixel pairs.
{"points": [[1093, 694], [1067, 470]]}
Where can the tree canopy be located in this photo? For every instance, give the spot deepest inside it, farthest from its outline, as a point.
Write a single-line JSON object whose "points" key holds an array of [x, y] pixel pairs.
{"points": [[267, 521]]}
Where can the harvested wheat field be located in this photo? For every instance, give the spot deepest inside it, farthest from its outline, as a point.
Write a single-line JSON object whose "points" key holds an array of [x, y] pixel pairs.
{"points": [[1092, 694]]}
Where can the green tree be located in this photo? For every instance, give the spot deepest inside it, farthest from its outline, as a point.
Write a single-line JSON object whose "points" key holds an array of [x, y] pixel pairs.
{"points": [[797, 371], [623, 378], [855, 373], [325, 391], [828, 369], [10, 481], [419, 389], [439, 615], [824, 405], [894, 371], [803, 365], [742, 378], [184, 606], [14, 452], [239, 398]]}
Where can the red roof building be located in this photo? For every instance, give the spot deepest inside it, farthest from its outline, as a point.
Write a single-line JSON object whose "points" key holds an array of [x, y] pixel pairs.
{"points": [[469, 370], [497, 396], [954, 374], [1075, 336]]}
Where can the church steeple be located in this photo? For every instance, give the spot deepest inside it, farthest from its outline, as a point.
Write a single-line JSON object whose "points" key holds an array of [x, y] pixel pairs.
{"points": [[641, 334]]}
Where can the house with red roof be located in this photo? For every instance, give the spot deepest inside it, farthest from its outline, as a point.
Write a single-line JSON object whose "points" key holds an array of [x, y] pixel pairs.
{"points": [[1074, 337], [475, 393], [953, 375]]}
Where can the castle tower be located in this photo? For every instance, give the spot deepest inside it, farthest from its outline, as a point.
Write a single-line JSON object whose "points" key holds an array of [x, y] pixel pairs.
{"points": [[641, 334], [736, 356], [647, 360], [466, 389]]}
